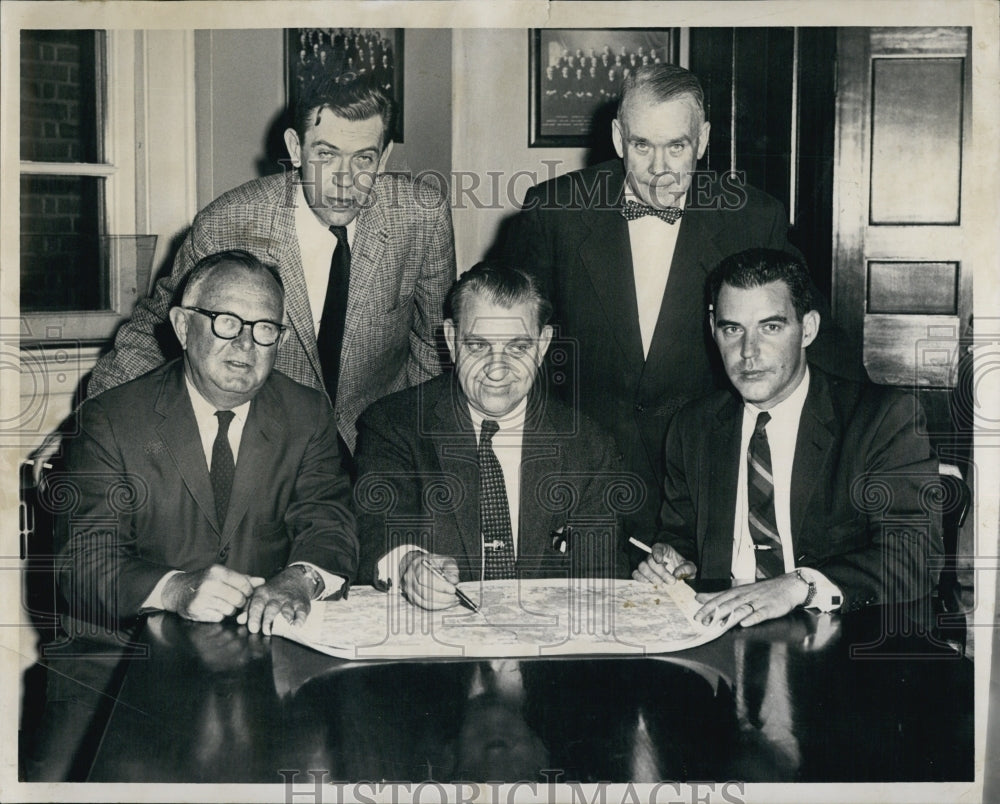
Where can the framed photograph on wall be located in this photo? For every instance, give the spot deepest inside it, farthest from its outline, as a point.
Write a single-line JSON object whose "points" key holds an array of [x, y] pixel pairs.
{"points": [[314, 54], [575, 75]]}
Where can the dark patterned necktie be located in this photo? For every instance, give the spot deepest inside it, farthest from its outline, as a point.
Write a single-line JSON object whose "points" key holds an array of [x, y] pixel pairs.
{"points": [[223, 465], [631, 210], [494, 512], [330, 337], [760, 503]]}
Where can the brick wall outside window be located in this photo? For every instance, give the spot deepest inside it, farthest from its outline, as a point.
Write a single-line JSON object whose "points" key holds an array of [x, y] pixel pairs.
{"points": [[61, 215]]}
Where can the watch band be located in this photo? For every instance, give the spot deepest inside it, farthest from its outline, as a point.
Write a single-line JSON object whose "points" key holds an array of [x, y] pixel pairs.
{"points": [[811, 594], [315, 577]]}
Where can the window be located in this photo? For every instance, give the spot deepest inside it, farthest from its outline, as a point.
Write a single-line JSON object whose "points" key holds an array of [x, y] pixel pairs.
{"points": [[81, 262]]}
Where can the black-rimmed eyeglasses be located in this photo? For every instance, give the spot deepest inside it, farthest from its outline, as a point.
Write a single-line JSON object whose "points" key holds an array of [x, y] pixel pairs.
{"points": [[229, 326]]}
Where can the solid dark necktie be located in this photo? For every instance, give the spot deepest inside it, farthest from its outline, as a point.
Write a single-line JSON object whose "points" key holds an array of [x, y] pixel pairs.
{"points": [[631, 210], [494, 512], [330, 337], [760, 503], [223, 465]]}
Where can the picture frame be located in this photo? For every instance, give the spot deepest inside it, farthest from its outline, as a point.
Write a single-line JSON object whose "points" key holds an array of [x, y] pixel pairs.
{"points": [[568, 100], [314, 54]]}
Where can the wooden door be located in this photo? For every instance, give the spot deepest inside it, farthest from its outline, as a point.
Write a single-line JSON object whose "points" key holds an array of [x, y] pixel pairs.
{"points": [[902, 276]]}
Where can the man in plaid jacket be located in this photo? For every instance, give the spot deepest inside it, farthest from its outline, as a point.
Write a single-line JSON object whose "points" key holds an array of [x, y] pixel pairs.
{"points": [[401, 256]]}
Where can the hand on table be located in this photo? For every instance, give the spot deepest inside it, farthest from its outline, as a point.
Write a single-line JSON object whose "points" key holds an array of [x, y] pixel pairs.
{"points": [[288, 593], [421, 586], [753, 603], [208, 595], [665, 565]]}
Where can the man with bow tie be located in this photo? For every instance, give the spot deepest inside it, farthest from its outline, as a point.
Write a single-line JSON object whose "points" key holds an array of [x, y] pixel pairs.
{"points": [[623, 249]]}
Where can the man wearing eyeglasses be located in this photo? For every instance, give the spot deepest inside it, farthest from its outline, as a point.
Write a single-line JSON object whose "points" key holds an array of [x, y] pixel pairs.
{"points": [[212, 486]]}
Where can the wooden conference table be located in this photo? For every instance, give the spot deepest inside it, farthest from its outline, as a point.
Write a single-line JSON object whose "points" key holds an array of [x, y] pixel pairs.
{"points": [[861, 698]]}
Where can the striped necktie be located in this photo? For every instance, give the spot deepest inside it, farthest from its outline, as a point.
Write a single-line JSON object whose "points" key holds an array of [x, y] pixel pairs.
{"points": [[760, 503]]}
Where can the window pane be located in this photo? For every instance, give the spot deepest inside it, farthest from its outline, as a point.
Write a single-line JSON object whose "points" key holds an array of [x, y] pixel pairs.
{"points": [[61, 268], [61, 96]]}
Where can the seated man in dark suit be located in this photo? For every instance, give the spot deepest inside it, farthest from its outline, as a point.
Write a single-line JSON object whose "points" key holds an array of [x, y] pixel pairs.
{"points": [[205, 477], [808, 484], [481, 475]]}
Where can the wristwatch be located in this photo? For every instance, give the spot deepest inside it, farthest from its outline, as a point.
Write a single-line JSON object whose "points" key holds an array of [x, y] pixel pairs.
{"points": [[317, 579], [812, 589]]}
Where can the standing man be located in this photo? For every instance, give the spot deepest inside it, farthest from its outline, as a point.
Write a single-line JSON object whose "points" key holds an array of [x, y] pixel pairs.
{"points": [[623, 249], [802, 488], [211, 485], [512, 483], [365, 257]]}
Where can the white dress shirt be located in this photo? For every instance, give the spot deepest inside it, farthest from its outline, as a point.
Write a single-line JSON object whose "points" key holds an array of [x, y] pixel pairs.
{"points": [[316, 246], [782, 433], [653, 242], [506, 443]]}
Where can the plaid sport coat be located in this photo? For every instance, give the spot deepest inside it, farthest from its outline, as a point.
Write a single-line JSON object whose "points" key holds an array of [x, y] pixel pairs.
{"points": [[402, 263]]}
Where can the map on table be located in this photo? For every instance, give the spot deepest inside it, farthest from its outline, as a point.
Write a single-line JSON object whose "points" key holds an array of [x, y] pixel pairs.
{"points": [[520, 618]]}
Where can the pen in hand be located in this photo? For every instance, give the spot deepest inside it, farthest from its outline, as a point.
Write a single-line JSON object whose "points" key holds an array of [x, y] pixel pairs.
{"points": [[645, 547], [463, 598]]}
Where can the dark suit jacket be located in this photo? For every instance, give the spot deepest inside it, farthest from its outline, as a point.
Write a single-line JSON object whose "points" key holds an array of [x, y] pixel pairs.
{"points": [[573, 236], [402, 262], [418, 482], [863, 481], [145, 503]]}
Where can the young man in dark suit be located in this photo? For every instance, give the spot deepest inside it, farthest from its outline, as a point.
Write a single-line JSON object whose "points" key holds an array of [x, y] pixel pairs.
{"points": [[211, 486], [803, 488], [481, 474]]}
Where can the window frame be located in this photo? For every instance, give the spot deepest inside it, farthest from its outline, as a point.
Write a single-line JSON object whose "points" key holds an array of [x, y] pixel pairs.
{"points": [[117, 108]]}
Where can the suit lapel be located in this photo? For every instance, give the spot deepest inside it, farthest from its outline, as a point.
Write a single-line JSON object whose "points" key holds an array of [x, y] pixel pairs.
{"points": [[371, 237], [718, 481], [258, 449], [455, 444], [283, 251], [695, 254], [607, 257], [179, 432], [539, 457], [814, 441]]}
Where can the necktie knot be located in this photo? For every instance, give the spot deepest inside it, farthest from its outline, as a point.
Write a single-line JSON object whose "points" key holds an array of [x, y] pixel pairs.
{"points": [[489, 428], [632, 210], [762, 419], [340, 232], [225, 418]]}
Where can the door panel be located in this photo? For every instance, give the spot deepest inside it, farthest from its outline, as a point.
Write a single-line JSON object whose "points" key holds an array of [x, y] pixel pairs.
{"points": [[902, 274]]}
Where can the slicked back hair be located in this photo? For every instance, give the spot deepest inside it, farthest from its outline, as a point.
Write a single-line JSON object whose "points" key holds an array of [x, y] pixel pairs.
{"points": [[756, 267], [501, 285], [352, 98], [661, 82]]}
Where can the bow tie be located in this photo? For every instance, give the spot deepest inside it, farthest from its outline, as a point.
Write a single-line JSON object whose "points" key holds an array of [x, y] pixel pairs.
{"points": [[633, 209]]}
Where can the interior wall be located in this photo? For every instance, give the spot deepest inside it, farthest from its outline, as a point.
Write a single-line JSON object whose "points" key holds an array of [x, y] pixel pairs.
{"points": [[491, 161], [240, 100]]}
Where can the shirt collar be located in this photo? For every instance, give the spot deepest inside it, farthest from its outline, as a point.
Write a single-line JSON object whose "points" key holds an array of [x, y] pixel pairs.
{"points": [[205, 410], [512, 422], [787, 407]]}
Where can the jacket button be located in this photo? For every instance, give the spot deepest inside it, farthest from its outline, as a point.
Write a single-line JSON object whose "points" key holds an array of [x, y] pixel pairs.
{"points": [[224, 553], [639, 408]]}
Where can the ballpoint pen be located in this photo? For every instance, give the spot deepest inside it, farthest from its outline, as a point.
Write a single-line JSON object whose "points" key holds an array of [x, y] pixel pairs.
{"points": [[643, 546], [463, 598]]}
